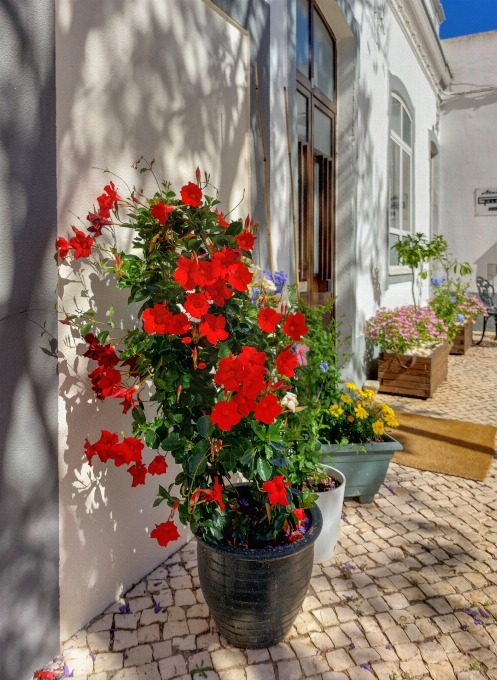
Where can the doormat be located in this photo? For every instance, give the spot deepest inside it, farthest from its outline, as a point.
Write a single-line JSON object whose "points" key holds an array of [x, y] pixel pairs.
{"points": [[449, 447]]}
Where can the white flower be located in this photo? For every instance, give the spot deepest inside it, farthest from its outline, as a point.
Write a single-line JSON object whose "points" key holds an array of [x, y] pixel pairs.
{"points": [[290, 401], [260, 279]]}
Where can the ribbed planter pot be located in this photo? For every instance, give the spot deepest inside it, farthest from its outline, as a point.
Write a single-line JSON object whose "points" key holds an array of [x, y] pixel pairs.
{"points": [[364, 465], [463, 340], [330, 503], [413, 376], [254, 595]]}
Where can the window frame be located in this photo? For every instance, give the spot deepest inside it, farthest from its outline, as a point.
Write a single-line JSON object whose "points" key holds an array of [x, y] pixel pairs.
{"points": [[397, 139]]}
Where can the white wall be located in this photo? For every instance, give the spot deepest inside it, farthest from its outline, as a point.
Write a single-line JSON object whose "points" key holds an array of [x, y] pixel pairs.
{"points": [[168, 81], [469, 149]]}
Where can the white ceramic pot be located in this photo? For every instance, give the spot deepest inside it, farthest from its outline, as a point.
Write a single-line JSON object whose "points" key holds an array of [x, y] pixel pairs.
{"points": [[330, 503]]}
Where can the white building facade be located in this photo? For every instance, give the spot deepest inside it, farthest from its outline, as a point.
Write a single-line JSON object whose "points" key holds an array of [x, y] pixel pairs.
{"points": [[370, 144]]}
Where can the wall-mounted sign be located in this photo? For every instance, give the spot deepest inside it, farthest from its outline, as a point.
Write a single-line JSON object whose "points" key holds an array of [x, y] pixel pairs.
{"points": [[486, 202]]}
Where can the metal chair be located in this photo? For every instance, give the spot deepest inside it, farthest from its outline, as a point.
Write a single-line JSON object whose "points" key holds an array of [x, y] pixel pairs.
{"points": [[486, 293]]}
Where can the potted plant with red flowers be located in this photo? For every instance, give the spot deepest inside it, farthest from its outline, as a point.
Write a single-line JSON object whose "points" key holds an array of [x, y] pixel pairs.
{"points": [[204, 374]]}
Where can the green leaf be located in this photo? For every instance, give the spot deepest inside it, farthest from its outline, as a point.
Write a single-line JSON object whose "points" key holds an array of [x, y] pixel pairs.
{"points": [[264, 469], [152, 439], [224, 350], [86, 328], [196, 465], [205, 426], [247, 458], [157, 502], [102, 337], [172, 442], [138, 415]]}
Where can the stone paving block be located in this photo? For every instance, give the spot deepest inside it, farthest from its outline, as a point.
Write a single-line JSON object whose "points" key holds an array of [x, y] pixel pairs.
{"points": [[174, 629], [124, 674], [281, 651], [442, 671], [290, 670], [149, 633], [339, 660], [108, 662], [327, 616], [263, 671], [432, 652], [172, 667], [322, 641], [227, 658], [127, 621], [149, 671], [162, 649], [232, 674], [123, 639], [314, 665], [138, 656]]}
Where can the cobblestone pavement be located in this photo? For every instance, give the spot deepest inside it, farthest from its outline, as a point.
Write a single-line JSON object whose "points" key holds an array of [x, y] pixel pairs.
{"points": [[410, 593]]}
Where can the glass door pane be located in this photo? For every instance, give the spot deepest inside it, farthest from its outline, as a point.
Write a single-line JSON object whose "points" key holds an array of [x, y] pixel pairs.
{"points": [[303, 57], [394, 188], [317, 215], [406, 191], [324, 58], [323, 132], [302, 117]]}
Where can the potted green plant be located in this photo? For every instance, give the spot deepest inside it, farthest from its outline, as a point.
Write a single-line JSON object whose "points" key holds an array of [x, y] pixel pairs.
{"points": [[356, 443], [414, 351], [416, 251], [452, 302], [316, 386], [204, 374]]}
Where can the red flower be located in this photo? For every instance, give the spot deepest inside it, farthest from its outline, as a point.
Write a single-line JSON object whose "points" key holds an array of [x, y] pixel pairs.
{"points": [[185, 271], [105, 355], [158, 466], [139, 472], [268, 319], [180, 324], [107, 200], [127, 395], [239, 277], [268, 409], [103, 381], [81, 243], [299, 514], [246, 240], [201, 365], [97, 223], [295, 327], [157, 319], [220, 218], [229, 373], [213, 328], [226, 259], [218, 292], [206, 273], [191, 194], [64, 247], [252, 358], [286, 363], [253, 384], [196, 305], [165, 533], [44, 675], [276, 490], [225, 414], [160, 212], [215, 495], [128, 451], [244, 405], [104, 448]]}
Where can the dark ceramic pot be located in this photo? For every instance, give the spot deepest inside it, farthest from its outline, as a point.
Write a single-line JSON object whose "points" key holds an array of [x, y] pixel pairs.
{"points": [[254, 595]]}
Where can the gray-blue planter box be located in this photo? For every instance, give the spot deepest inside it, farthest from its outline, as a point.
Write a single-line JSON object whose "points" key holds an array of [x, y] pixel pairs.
{"points": [[364, 465]]}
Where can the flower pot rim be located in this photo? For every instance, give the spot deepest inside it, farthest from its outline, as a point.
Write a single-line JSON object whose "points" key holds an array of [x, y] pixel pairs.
{"points": [[272, 552], [389, 444], [339, 476]]}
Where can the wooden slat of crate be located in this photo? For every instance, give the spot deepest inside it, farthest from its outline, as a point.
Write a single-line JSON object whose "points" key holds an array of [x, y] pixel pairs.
{"points": [[463, 340], [397, 376]]}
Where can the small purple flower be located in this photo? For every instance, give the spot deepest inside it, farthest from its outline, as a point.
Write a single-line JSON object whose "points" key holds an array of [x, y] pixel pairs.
{"points": [[390, 489], [389, 646], [474, 615], [483, 614], [349, 566], [255, 294], [352, 645], [67, 673], [124, 609], [494, 557], [92, 657], [244, 502], [465, 627], [157, 584], [157, 608], [460, 317], [324, 366], [125, 656], [437, 280], [345, 519], [367, 667]]}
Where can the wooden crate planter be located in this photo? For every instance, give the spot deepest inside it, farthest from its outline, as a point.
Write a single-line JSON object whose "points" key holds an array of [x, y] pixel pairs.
{"points": [[399, 375], [463, 340]]}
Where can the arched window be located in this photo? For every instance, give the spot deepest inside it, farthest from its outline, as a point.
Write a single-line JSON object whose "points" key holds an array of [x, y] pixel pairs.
{"points": [[400, 176], [316, 111]]}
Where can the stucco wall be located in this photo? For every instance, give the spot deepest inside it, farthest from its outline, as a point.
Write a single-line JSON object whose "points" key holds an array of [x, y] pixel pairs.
{"points": [[170, 82], [469, 150], [29, 553]]}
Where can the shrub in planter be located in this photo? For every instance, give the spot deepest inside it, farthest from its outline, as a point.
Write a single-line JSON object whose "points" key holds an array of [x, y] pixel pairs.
{"points": [[414, 353], [355, 441], [215, 354], [458, 308]]}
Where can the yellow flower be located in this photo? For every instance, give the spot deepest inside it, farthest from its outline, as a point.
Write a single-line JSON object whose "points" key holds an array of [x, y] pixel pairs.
{"points": [[386, 409], [369, 395], [361, 393], [378, 427], [336, 410], [390, 420], [361, 412], [351, 386], [350, 419], [346, 399]]}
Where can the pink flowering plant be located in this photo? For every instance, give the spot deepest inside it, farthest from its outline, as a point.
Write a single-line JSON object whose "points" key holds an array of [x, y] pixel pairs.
{"points": [[205, 374], [406, 329]]}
